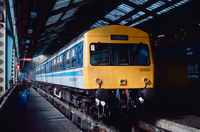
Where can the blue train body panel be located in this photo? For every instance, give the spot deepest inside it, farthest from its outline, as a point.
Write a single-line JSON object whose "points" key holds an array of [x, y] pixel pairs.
{"points": [[59, 70]]}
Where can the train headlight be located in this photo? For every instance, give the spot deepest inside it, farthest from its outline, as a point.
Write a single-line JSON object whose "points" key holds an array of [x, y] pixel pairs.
{"points": [[97, 80], [146, 80]]}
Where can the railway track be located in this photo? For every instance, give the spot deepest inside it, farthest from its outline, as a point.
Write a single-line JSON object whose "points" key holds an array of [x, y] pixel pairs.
{"points": [[86, 123], [185, 123]]}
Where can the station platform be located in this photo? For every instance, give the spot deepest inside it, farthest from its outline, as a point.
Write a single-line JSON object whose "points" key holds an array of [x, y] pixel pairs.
{"points": [[39, 116]]}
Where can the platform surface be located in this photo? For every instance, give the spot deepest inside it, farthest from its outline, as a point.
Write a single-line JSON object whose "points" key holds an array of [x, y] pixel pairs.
{"points": [[40, 116]]}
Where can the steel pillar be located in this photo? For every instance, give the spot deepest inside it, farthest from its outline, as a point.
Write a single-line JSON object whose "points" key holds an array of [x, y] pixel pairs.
{"points": [[2, 51], [13, 66]]}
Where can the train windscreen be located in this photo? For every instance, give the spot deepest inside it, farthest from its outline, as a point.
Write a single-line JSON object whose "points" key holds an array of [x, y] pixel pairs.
{"points": [[119, 54]]}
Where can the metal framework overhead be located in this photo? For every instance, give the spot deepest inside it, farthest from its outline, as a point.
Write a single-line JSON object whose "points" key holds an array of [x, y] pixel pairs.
{"points": [[43, 27]]}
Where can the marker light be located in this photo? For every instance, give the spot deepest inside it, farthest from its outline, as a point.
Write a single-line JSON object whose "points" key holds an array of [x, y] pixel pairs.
{"points": [[98, 80], [122, 81], [145, 80]]}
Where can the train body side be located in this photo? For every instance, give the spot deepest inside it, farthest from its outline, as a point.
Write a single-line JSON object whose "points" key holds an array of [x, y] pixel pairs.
{"points": [[58, 71]]}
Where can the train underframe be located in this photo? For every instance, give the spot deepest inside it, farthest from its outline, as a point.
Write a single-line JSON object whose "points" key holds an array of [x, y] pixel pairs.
{"points": [[100, 103]]}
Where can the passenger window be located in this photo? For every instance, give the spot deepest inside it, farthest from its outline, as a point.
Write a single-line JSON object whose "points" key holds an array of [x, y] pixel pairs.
{"points": [[57, 63], [60, 62], [50, 66], [67, 60], [64, 62], [42, 71], [79, 61], [54, 65], [47, 67], [73, 58]]}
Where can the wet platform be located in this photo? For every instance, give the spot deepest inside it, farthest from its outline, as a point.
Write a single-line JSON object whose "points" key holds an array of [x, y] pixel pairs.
{"points": [[39, 116]]}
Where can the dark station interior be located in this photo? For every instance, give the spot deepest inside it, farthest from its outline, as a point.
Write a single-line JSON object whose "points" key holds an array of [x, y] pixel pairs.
{"points": [[44, 27]]}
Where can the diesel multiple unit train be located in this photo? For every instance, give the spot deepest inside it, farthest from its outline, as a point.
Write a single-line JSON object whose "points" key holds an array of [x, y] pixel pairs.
{"points": [[106, 68]]}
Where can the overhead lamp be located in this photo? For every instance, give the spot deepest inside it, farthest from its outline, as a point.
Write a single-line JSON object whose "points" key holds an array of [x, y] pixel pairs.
{"points": [[30, 31], [27, 41], [33, 14], [27, 46], [161, 36]]}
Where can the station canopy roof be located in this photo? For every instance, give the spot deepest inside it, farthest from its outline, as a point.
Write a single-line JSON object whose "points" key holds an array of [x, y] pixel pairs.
{"points": [[45, 26]]}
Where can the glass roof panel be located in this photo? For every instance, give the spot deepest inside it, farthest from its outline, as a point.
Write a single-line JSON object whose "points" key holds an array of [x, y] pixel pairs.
{"points": [[41, 39], [61, 3], [59, 27], [77, 1], [70, 13], [123, 22], [172, 6], [53, 19], [138, 2], [137, 15], [155, 5], [99, 23], [53, 35], [119, 12], [141, 21]]}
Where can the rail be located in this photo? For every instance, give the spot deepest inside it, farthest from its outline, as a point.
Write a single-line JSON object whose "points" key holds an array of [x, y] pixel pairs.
{"points": [[86, 122]]}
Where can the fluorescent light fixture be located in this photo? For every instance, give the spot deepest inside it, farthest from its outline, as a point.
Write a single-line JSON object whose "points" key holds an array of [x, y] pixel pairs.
{"points": [[155, 5], [161, 36], [141, 21], [70, 13], [30, 31], [33, 14], [25, 50], [138, 2], [53, 19], [99, 23], [27, 41], [61, 3], [172, 7], [27, 46], [119, 12]]}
